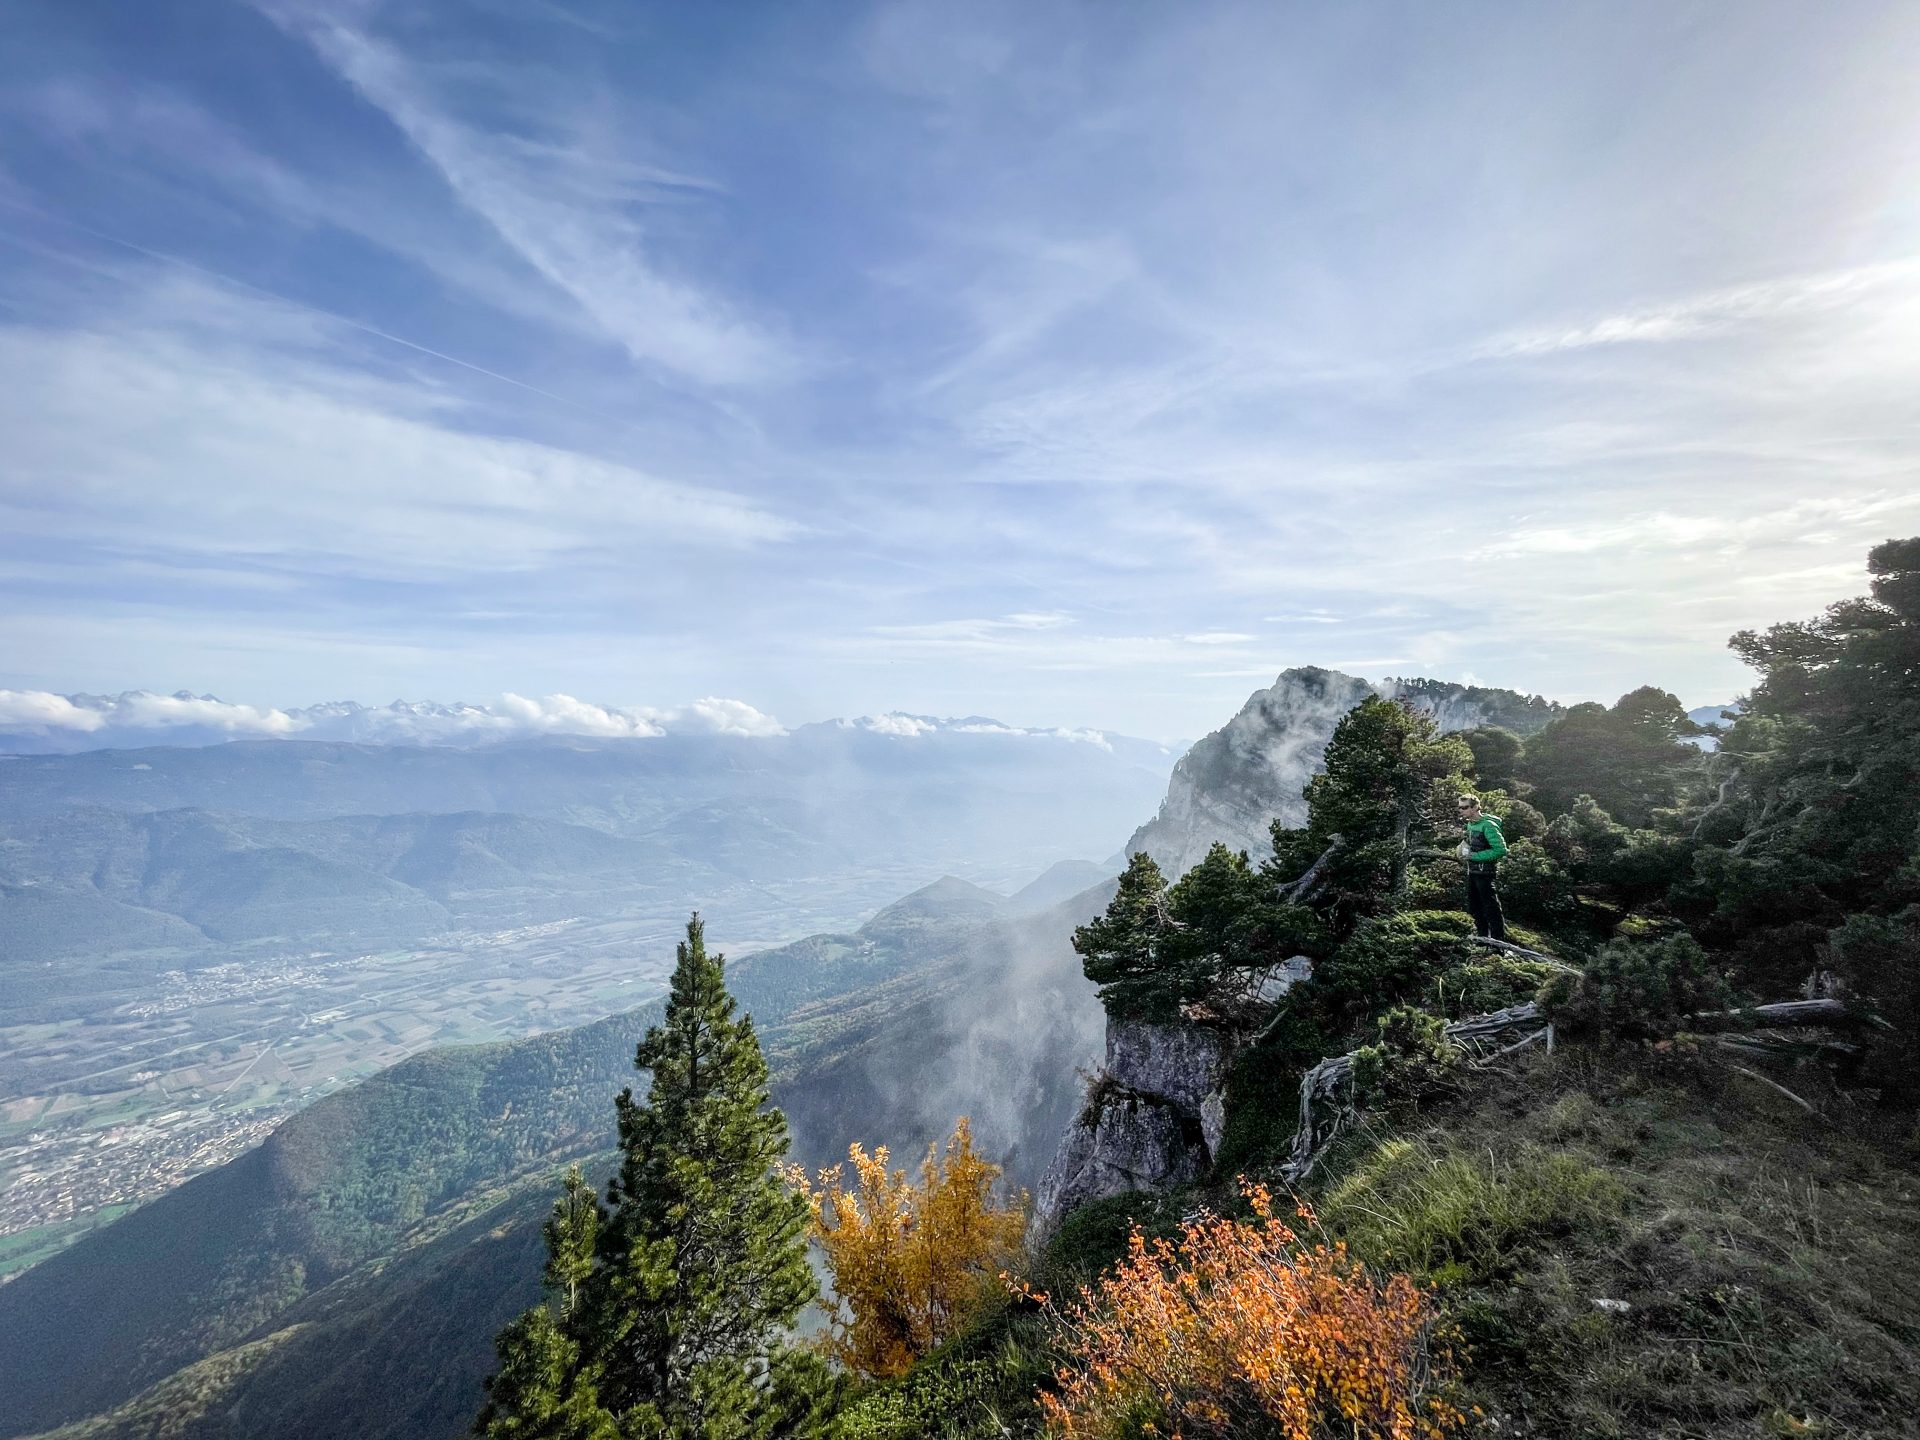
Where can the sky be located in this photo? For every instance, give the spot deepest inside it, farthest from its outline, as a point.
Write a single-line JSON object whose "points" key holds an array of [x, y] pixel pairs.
{"points": [[1075, 364]]}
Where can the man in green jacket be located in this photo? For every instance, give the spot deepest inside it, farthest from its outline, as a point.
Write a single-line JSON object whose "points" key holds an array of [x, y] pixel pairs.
{"points": [[1482, 850]]}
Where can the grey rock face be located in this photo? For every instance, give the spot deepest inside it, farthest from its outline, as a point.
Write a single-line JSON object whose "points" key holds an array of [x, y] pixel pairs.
{"points": [[1133, 1144], [1149, 1127], [1235, 783], [1176, 1063], [1232, 785], [1213, 1120]]}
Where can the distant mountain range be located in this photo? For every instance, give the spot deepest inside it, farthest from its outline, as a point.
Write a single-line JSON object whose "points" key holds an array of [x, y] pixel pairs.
{"points": [[120, 863]]}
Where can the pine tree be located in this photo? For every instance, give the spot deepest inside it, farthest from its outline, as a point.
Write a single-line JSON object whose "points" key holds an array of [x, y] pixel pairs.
{"points": [[1387, 788], [545, 1389], [702, 1264], [1121, 952], [670, 1304]]}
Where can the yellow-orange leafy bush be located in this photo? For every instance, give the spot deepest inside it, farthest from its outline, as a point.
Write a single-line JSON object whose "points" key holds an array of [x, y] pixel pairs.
{"points": [[1241, 1329], [911, 1261]]}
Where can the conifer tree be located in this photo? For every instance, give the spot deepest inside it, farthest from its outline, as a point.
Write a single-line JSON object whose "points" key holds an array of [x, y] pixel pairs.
{"points": [[1389, 779], [1121, 952], [671, 1303], [545, 1389], [702, 1263]]}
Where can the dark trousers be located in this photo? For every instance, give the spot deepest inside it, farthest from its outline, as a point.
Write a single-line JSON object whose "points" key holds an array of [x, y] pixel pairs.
{"points": [[1483, 904]]}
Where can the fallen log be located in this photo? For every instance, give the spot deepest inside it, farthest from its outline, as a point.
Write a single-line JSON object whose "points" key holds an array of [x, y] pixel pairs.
{"points": [[1781, 1013]]}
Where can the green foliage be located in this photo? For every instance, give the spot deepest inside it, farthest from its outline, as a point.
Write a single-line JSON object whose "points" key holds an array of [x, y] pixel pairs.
{"points": [[1123, 951], [1630, 758], [1395, 957], [1538, 889], [542, 1391], [1460, 1217], [1496, 756], [1518, 819], [1388, 784], [979, 1386], [1813, 814], [678, 1293], [1636, 989], [1878, 959], [1411, 1059], [1156, 948], [1487, 981]]}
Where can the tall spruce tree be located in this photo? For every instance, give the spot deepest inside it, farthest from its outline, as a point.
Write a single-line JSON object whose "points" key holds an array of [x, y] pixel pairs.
{"points": [[673, 1302]]}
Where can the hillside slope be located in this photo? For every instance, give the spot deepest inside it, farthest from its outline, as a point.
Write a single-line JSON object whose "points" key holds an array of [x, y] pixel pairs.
{"points": [[869, 1036]]}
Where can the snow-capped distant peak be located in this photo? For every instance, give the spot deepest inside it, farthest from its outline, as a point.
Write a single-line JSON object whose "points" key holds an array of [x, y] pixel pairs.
{"points": [[903, 726]]}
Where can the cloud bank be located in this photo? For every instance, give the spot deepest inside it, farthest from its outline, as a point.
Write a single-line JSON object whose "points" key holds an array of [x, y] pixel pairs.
{"points": [[33, 721], [141, 717]]}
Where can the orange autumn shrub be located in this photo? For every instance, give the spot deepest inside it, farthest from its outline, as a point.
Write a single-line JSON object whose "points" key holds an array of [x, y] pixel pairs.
{"points": [[1239, 1329], [911, 1262]]}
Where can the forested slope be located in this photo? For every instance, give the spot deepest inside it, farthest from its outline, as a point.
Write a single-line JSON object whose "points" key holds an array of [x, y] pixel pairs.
{"points": [[866, 1037]]}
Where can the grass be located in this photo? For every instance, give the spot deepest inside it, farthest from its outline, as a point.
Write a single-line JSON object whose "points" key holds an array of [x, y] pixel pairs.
{"points": [[1761, 1268]]}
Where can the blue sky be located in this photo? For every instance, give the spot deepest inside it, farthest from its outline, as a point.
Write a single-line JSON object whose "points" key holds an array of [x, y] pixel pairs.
{"points": [[1079, 364]]}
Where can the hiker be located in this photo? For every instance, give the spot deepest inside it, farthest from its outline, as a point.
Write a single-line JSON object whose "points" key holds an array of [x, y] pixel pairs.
{"points": [[1482, 850]]}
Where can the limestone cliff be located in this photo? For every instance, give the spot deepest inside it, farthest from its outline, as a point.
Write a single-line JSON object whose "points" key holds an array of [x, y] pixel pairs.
{"points": [[1232, 785]]}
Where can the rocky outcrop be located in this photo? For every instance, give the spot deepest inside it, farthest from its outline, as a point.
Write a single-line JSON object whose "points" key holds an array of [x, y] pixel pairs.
{"points": [[1235, 783], [1145, 1125], [1157, 1110]]}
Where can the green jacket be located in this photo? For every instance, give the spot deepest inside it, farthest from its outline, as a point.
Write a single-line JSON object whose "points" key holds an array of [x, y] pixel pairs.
{"points": [[1484, 840]]}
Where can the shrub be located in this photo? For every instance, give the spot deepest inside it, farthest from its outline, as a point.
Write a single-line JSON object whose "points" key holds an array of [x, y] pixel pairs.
{"points": [[1390, 958], [968, 1390], [1880, 961], [1492, 980], [1636, 989], [1238, 1328], [911, 1263], [1536, 888], [1411, 1059]]}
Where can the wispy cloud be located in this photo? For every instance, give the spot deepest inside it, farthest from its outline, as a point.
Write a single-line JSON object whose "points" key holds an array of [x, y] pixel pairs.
{"points": [[1715, 312], [231, 441], [946, 359], [572, 211]]}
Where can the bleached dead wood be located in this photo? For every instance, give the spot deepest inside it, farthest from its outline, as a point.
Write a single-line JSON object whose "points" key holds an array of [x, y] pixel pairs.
{"points": [[1784, 1013], [1297, 891], [1326, 1091]]}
